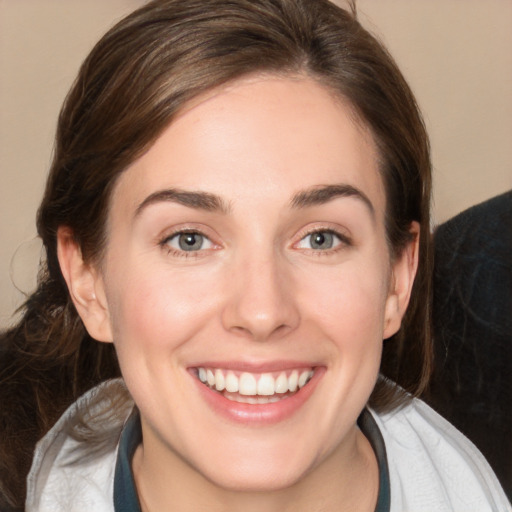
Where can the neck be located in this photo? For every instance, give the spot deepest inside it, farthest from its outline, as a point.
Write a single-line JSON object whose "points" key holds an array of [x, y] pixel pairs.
{"points": [[347, 479]]}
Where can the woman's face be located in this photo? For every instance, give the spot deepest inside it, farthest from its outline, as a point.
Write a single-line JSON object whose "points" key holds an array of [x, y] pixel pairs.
{"points": [[247, 251]]}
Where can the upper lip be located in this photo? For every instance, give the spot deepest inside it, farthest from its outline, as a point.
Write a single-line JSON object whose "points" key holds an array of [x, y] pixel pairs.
{"points": [[256, 367]]}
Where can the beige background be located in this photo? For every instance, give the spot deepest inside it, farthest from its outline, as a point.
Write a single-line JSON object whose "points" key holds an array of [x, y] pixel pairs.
{"points": [[457, 55]]}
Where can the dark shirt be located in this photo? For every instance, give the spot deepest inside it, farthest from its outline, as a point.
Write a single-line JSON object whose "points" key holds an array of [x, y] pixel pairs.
{"points": [[472, 321], [125, 494]]}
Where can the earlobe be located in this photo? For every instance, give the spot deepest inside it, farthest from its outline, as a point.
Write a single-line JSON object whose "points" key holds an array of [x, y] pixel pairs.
{"points": [[402, 279], [85, 285]]}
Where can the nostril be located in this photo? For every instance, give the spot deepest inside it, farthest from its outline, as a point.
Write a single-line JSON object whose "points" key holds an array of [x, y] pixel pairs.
{"points": [[260, 305], [261, 333]]}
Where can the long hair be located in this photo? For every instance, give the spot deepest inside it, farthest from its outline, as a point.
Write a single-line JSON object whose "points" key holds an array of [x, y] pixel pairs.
{"points": [[131, 86]]}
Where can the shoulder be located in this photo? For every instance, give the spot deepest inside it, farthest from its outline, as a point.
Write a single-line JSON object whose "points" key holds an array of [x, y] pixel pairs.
{"points": [[433, 466], [74, 463]]}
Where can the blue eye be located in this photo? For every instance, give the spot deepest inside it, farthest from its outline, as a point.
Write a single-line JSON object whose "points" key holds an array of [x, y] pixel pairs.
{"points": [[320, 241], [189, 242]]}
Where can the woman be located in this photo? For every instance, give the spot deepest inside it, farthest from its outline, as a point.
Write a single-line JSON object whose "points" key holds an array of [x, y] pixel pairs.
{"points": [[237, 214]]}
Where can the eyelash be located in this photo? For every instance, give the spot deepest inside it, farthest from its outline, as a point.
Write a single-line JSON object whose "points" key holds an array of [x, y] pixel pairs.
{"points": [[344, 241], [164, 243]]}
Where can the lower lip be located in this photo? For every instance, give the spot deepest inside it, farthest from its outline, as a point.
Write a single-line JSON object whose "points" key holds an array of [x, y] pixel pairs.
{"points": [[259, 414]]}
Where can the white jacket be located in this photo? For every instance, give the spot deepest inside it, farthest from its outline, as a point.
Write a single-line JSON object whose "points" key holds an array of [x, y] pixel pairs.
{"points": [[432, 466]]}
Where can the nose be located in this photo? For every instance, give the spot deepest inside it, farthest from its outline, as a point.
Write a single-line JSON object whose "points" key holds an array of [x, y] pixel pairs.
{"points": [[261, 304]]}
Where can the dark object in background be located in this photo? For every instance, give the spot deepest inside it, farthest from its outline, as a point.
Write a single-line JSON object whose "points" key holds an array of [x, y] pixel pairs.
{"points": [[472, 316]]}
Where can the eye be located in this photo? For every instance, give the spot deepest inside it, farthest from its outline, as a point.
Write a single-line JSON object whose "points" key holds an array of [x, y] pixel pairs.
{"points": [[190, 241], [321, 240]]}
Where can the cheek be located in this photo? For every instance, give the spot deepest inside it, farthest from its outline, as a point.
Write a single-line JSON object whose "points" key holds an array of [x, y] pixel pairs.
{"points": [[349, 302], [155, 310]]}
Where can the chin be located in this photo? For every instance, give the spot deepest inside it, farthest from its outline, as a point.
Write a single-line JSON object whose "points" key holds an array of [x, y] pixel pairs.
{"points": [[257, 479], [258, 465]]}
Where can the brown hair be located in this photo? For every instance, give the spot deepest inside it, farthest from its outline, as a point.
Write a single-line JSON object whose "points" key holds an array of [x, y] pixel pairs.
{"points": [[130, 87]]}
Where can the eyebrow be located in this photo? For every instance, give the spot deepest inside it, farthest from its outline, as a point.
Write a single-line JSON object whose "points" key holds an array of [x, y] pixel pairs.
{"points": [[214, 203], [197, 200], [323, 194]]}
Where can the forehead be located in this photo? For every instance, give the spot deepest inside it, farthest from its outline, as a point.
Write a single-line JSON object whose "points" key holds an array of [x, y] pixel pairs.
{"points": [[255, 139]]}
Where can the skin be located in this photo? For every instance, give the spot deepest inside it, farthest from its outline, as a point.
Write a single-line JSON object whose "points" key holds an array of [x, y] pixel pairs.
{"points": [[256, 292]]}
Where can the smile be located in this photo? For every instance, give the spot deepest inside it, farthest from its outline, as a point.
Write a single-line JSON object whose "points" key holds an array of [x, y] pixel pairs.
{"points": [[255, 388]]}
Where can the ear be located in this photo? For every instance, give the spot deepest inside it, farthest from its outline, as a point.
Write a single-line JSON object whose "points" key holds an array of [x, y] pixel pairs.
{"points": [[403, 273], [85, 285]]}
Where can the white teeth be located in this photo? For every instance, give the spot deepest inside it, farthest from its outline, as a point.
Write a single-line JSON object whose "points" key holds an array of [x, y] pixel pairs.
{"points": [[250, 385], [220, 381], [282, 383], [254, 399], [247, 384], [266, 385], [293, 381], [231, 383], [303, 378]]}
